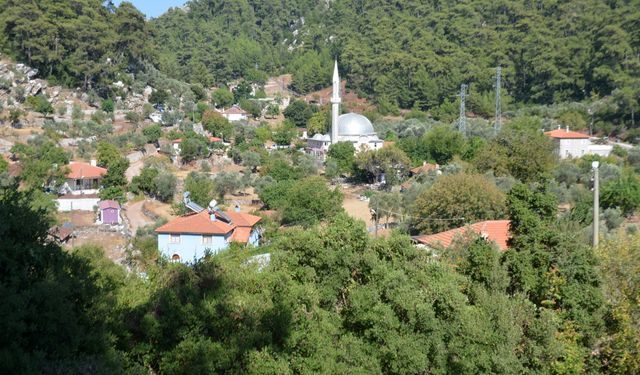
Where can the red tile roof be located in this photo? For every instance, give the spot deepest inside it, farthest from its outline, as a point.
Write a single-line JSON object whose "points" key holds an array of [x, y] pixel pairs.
{"points": [[241, 234], [426, 167], [241, 219], [79, 170], [60, 233], [493, 230], [566, 134], [201, 223], [235, 110], [108, 204]]}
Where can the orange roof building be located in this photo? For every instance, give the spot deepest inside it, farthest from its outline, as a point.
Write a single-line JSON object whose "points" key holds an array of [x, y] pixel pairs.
{"points": [[81, 170], [496, 231], [570, 144], [191, 236], [235, 113], [565, 134], [83, 178], [424, 168]]}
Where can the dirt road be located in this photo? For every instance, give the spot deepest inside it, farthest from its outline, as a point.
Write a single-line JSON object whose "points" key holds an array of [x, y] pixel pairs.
{"points": [[135, 217], [134, 169]]}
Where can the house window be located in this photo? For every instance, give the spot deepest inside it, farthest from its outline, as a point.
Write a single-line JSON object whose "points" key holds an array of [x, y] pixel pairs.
{"points": [[174, 238], [175, 257], [207, 240]]}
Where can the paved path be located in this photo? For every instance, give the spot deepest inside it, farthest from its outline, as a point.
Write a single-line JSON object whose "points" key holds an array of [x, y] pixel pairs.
{"points": [[135, 216]]}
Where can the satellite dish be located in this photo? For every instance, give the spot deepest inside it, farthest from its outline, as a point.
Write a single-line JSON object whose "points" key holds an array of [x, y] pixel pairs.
{"points": [[213, 204]]}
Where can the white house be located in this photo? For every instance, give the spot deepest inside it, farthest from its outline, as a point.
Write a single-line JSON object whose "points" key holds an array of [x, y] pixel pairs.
{"points": [[235, 114], [570, 144], [80, 190], [83, 178], [349, 127], [319, 143]]}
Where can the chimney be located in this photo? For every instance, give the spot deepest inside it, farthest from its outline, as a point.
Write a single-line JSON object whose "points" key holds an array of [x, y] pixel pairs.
{"points": [[237, 209], [424, 163], [212, 215], [93, 162], [567, 128], [559, 127]]}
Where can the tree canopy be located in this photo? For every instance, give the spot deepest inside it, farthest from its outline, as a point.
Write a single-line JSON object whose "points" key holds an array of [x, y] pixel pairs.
{"points": [[457, 199]]}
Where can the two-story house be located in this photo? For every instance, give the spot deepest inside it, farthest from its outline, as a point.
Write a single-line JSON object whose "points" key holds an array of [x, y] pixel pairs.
{"points": [[569, 144], [188, 237]]}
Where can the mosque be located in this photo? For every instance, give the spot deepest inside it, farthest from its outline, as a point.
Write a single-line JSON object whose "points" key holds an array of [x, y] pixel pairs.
{"points": [[349, 127]]}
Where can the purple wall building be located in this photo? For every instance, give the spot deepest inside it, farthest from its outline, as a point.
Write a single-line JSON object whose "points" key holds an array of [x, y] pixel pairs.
{"points": [[109, 212]]}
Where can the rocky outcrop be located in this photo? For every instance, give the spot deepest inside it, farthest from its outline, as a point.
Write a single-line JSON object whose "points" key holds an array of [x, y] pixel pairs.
{"points": [[34, 87]]}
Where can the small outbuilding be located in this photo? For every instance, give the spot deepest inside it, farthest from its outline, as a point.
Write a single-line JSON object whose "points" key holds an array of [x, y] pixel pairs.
{"points": [[109, 212], [60, 234]]}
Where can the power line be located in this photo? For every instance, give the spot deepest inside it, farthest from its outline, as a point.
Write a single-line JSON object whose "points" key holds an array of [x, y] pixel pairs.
{"points": [[413, 217]]}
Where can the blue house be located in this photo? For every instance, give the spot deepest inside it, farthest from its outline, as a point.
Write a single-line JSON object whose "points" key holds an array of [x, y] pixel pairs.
{"points": [[188, 237]]}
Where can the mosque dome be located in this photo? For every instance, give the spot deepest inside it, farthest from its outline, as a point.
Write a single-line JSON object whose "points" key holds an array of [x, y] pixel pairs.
{"points": [[354, 124]]}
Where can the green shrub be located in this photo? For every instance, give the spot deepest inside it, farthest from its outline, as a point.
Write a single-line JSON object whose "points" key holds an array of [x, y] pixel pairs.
{"points": [[40, 104], [108, 106]]}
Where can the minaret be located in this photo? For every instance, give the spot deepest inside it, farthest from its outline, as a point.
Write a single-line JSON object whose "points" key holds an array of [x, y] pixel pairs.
{"points": [[335, 104]]}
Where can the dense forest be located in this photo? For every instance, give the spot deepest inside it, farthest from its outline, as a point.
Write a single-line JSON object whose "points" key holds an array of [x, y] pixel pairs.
{"points": [[83, 43], [412, 53], [403, 54]]}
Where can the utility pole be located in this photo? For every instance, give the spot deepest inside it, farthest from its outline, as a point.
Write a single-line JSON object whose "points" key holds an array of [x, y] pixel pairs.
{"points": [[596, 203], [590, 111], [377, 212], [498, 125], [462, 120]]}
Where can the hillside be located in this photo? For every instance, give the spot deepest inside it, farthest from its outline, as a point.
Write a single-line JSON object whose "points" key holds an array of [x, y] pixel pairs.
{"points": [[401, 53], [409, 53]]}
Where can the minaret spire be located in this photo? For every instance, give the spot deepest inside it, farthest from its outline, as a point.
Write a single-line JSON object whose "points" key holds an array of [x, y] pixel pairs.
{"points": [[336, 81], [335, 104]]}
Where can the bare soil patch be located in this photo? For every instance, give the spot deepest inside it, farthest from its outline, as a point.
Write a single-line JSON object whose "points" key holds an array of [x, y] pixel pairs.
{"points": [[163, 210], [113, 243], [77, 218]]}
